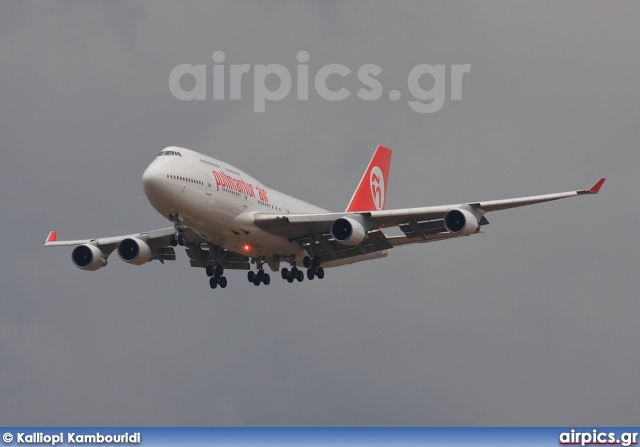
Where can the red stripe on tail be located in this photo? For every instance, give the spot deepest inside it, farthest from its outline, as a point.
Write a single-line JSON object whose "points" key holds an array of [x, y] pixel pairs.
{"points": [[371, 193]]}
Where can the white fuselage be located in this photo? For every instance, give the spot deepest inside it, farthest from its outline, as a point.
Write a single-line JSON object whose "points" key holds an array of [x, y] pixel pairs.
{"points": [[218, 201]]}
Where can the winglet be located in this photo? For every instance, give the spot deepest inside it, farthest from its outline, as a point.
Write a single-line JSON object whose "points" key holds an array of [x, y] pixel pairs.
{"points": [[53, 237], [595, 188]]}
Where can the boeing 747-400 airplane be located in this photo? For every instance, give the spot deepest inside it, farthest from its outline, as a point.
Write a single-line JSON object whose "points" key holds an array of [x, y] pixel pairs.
{"points": [[228, 220]]}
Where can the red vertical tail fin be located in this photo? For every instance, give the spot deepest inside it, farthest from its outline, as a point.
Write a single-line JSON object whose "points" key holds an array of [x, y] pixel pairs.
{"points": [[371, 193]]}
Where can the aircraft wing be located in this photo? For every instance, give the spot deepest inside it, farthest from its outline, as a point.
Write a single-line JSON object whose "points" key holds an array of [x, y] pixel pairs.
{"points": [[199, 250], [157, 240], [419, 225]]}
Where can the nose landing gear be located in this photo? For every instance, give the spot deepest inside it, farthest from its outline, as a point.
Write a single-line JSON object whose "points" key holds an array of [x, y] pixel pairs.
{"points": [[178, 237]]}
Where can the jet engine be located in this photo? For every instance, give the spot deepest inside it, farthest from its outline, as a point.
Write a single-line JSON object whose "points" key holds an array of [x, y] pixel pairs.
{"points": [[88, 257], [348, 231], [461, 221], [134, 251]]}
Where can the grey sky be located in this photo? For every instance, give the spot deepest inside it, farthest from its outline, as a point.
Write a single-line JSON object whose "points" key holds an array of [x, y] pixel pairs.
{"points": [[534, 322]]}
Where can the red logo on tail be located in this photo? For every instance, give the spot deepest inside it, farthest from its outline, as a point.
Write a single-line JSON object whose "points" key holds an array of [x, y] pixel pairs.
{"points": [[371, 193], [376, 179]]}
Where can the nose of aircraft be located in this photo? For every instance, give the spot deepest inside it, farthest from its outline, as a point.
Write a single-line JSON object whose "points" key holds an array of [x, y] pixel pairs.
{"points": [[151, 179], [157, 187]]}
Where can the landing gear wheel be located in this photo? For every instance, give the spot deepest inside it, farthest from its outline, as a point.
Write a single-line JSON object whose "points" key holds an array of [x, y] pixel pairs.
{"points": [[294, 271], [219, 270], [290, 278], [300, 277], [284, 273], [181, 240], [306, 261], [209, 270], [256, 281], [251, 275], [316, 261], [213, 283], [222, 281], [310, 274], [320, 273], [173, 240], [266, 279]]}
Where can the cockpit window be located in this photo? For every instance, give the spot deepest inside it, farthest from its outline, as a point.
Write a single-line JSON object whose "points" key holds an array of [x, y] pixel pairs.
{"points": [[162, 153]]}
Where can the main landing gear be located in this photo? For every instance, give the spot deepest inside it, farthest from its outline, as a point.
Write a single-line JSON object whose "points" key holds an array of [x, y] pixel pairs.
{"points": [[259, 277], [293, 274], [215, 276], [313, 267], [313, 270]]}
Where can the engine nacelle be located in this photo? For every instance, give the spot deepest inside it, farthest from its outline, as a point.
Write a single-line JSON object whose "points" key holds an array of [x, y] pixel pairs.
{"points": [[348, 231], [134, 251], [461, 221], [88, 257]]}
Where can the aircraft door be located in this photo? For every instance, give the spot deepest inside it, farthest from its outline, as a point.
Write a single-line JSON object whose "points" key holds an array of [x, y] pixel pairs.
{"points": [[207, 182]]}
